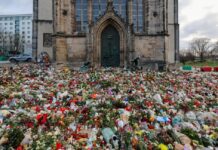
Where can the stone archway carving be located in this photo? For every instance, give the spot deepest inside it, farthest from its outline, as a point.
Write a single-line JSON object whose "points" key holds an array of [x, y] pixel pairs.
{"points": [[110, 18]]}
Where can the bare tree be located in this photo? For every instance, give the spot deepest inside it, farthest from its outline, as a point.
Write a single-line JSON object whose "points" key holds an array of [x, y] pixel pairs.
{"points": [[200, 47], [16, 42], [10, 42], [5, 41], [185, 57], [214, 51], [2, 38]]}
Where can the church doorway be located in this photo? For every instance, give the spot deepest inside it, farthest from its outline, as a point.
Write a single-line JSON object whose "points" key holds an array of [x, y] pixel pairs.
{"points": [[110, 47]]}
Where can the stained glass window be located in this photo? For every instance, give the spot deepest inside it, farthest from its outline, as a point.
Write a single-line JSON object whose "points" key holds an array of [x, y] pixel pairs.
{"points": [[120, 7], [99, 7], [138, 20], [81, 15]]}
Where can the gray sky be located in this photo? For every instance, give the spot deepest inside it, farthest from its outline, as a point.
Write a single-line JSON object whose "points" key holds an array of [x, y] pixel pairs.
{"points": [[198, 18], [15, 6]]}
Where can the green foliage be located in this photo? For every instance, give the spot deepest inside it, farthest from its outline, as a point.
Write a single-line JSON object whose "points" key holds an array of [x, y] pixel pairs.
{"points": [[106, 83], [133, 119], [94, 76], [5, 95], [127, 138], [132, 99], [119, 104], [114, 115], [81, 103], [205, 63], [83, 85], [104, 105], [173, 135], [18, 96], [191, 134], [141, 146], [44, 142], [206, 141], [107, 121], [15, 137], [49, 141]]}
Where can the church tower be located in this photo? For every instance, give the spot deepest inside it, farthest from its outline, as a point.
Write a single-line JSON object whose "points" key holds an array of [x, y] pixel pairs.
{"points": [[42, 27]]}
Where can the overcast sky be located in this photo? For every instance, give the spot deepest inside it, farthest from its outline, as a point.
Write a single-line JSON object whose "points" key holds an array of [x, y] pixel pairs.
{"points": [[198, 18]]}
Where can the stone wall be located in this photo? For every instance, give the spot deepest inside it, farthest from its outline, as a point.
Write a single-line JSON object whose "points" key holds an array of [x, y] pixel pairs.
{"points": [[171, 50], [44, 28], [42, 23], [149, 47], [173, 31], [35, 28], [63, 16], [76, 49], [156, 14], [45, 10], [61, 49]]}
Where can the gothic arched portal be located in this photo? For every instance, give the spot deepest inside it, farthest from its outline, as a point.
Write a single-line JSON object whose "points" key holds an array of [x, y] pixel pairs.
{"points": [[109, 22], [110, 47]]}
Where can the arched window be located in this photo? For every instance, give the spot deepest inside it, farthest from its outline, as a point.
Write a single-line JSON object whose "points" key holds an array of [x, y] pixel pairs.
{"points": [[138, 20], [99, 7], [120, 7], [81, 15]]}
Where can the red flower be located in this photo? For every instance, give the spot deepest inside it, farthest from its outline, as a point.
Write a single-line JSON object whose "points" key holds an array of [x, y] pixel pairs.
{"points": [[145, 138], [85, 110], [19, 148], [49, 108], [148, 103], [63, 109], [58, 103], [151, 127], [38, 109], [197, 103], [93, 96], [74, 101], [128, 108], [60, 85], [167, 101], [59, 146], [42, 118], [29, 124]]}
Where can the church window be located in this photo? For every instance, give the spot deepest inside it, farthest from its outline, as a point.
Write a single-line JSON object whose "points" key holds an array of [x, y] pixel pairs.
{"points": [[120, 7], [81, 15], [138, 20], [99, 7]]}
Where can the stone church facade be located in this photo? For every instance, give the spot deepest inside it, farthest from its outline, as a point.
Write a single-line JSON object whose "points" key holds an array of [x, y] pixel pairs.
{"points": [[108, 33]]}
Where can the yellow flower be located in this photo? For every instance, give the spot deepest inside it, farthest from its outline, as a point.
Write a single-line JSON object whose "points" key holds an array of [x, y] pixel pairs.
{"points": [[139, 132], [206, 127], [214, 136], [162, 147]]}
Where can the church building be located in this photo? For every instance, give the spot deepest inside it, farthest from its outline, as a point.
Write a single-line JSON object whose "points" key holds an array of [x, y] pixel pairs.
{"points": [[107, 33]]}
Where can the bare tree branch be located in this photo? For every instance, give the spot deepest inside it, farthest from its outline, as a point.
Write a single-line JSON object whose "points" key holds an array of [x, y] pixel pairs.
{"points": [[200, 47]]}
